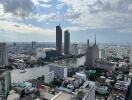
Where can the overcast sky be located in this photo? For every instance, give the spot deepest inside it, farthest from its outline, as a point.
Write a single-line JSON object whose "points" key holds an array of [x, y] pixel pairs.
{"points": [[35, 20]]}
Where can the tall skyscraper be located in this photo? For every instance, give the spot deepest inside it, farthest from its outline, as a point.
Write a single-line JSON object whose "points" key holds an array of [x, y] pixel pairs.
{"points": [[3, 54], [58, 39], [34, 46], [130, 55], [67, 42], [92, 54]]}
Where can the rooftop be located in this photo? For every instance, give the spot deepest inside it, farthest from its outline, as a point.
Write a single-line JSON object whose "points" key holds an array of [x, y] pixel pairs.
{"points": [[57, 65], [62, 96]]}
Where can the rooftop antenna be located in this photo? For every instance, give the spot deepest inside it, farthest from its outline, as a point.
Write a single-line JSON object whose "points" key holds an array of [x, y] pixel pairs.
{"points": [[88, 42], [95, 39]]}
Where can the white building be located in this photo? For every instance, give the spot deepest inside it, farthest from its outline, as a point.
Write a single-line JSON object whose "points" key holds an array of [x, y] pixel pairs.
{"points": [[3, 54], [13, 95], [82, 75], [74, 49], [49, 77], [104, 53], [59, 71], [130, 56], [41, 53]]}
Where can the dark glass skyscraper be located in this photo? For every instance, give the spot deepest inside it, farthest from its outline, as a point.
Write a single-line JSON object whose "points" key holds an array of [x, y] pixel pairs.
{"points": [[34, 46], [67, 42], [3, 54], [92, 54], [58, 39]]}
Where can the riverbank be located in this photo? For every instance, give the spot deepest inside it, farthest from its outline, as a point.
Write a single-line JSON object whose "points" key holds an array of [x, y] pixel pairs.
{"points": [[39, 62], [37, 71]]}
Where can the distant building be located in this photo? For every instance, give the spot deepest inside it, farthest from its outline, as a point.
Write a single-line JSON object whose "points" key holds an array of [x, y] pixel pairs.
{"points": [[58, 39], [3, 54], [66, 42], [83, 48], [34, 47], [103, 64], [60, 71], [49, 77], [52, 54], [74, 49], [5, 83], [92, 54], [122, 52]]}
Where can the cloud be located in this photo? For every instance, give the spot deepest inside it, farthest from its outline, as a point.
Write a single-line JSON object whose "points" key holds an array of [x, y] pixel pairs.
{"points": [[111, 5], [75, 28], [46, 5], [125, 30], [60, 5], [71, 15], [48, 17], [12, 27], [99, 13], [42, 3], [3, 16], [36, 2], [21, 8]]}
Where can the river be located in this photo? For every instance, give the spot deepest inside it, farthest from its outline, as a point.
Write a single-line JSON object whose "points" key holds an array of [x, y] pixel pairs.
{"points": [[32, 73]]}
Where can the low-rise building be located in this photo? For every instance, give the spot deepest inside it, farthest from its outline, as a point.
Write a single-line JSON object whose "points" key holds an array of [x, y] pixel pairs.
{"points": [[103, 64], [120, 89], [81, 75], [13, 95], [86, 92], [101, 89]]}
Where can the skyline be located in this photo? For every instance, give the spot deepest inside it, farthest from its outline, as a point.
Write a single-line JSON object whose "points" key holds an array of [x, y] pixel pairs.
{"points": [[35, 20]]}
